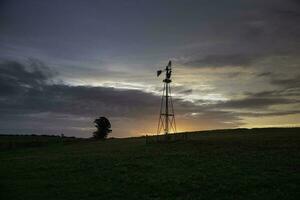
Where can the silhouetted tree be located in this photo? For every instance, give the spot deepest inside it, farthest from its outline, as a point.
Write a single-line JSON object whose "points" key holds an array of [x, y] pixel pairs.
{"points": [[103, 128]]}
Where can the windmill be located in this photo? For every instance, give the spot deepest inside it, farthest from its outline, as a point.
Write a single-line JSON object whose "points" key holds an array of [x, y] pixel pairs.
{"points": [[166, 122]]}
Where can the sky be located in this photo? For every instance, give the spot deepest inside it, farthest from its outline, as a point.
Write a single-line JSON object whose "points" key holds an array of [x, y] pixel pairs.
{"points": [[64, 63]]}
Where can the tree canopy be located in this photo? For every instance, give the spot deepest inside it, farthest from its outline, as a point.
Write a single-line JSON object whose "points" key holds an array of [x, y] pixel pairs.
{"points": [[103, 128]]}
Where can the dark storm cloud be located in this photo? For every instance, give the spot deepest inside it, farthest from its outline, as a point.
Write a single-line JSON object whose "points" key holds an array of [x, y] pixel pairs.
{"points": [[15, 77], [85, 100], [27, 87]]}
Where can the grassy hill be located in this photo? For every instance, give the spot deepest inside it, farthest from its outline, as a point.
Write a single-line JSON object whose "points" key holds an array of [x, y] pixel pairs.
{"points": [[224, 164]]}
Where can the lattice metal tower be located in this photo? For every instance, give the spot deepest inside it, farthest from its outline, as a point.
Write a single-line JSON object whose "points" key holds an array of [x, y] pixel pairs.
{"points": [[166, 122]]}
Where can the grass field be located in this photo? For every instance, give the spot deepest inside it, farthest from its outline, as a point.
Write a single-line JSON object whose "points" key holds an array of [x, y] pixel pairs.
{"points": [[8, 142], [225, 164]]}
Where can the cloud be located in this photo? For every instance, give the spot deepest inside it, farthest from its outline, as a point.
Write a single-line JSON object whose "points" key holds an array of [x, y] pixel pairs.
{"points": [[268, 114], [262, 102], [264, 74], [15, 77], [287, 83], [25, 88], [232, 60], [260, 31], [252, 102]]}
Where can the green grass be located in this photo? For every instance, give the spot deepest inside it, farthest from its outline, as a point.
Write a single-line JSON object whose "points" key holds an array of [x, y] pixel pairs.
{"points": [[226, 164]]}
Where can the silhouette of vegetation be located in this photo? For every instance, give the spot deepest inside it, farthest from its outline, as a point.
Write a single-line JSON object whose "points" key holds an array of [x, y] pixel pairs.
{"points": [[103, 128]]}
